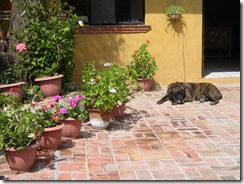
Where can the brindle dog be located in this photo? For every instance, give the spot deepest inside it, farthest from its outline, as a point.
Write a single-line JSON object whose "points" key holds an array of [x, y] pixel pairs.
{"points": [[181, 92]]}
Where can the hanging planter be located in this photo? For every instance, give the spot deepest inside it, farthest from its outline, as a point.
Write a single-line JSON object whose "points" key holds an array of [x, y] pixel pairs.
{"points": [[50, 86], [174, 12]]}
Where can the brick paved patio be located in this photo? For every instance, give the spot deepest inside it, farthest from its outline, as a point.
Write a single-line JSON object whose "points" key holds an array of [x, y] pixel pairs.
{"points": [[194, 141]]}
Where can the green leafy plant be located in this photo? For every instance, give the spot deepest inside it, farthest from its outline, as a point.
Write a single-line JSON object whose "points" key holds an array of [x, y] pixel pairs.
{"points": [[143, 64], [19, 127], [49, 33], [174, 9], [105, 88], [32, 91], [71, 106], [15, 72]]}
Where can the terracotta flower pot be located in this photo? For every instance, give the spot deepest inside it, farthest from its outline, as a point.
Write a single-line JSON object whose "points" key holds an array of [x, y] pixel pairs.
{"points": [[99, 121], [145, 83], [14, 89], [118, 111], [50, 86], [51, 137], [21, 160], [71, 127]]}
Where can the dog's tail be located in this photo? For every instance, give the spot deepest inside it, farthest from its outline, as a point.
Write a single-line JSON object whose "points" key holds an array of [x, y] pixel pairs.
{"points": [[164, 99]]}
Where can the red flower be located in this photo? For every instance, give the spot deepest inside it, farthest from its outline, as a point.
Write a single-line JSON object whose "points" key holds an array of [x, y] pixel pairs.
{"points": [[148, 41], [135, 51], [54, 118], [96, 79], [135, 58]]}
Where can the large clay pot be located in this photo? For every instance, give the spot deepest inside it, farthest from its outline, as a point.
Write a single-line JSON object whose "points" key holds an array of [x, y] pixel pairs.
{"points": [[21, 160], [50, 86], [145, 83], [99, 121], [71, 127], [118, 111], [51, 137], [14, 89]]}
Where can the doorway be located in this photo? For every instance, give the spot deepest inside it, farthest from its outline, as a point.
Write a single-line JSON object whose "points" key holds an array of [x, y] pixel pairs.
{"points": [[221, 39]]}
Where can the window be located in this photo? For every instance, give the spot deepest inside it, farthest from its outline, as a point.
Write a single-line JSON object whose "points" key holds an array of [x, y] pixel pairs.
{"points": [[110, 12]]}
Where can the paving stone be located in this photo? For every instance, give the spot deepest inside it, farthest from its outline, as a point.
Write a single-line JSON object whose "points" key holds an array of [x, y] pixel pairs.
{"points": [[194, 141]]}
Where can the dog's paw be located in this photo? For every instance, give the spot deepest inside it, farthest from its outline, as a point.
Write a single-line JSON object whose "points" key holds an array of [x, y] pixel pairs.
{"points": [[159, 102]]}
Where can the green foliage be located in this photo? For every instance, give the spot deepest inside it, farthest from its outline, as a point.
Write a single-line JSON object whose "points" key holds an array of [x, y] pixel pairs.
{"points": [[32, 90], [19, 127], [7, 100], [174, 9], [143, 64], [49, 34], [106, 88], [14, 73]]}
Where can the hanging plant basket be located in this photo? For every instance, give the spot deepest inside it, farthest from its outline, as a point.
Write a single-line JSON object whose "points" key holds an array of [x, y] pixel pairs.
{"points": [[174, 16]]}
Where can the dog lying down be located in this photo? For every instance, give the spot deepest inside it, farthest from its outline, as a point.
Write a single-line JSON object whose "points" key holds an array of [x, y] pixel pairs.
{"points": [[181, 92]]}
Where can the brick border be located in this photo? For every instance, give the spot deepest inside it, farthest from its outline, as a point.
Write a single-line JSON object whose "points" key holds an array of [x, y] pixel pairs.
{"points": [[112, 29]]}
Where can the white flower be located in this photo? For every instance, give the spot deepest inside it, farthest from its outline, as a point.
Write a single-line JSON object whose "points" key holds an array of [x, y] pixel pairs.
{"points": [[128, 97], [92, 82], [119, 103], [81, 23], [106, 64], [112, 90], [31, 135]]}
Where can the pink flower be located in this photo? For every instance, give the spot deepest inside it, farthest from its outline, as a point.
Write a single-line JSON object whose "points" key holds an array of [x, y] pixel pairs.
{"points": [[52, 103], [80, 96], [57, 98], [20, 47], [43, 108], [72, 101], [63, 111]]}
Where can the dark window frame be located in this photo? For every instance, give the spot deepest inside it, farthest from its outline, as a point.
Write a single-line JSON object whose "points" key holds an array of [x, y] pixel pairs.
{"points": [[129, 27]]}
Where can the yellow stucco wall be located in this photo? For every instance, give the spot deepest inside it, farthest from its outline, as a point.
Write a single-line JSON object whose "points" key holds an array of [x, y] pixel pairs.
{"points": [[177, 46]]}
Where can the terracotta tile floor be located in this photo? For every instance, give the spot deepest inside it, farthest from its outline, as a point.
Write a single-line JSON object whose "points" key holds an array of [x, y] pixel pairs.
{"points": [[194, 141]]}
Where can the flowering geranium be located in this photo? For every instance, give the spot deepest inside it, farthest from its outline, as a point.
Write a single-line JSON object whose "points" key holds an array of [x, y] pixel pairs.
{"points": [[106, 88], [20, 47], [71, 106], [143, 64], [48, 114]]}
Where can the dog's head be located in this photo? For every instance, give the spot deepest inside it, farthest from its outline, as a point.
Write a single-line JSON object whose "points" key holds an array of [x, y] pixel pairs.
{"points": [[176, 93]]}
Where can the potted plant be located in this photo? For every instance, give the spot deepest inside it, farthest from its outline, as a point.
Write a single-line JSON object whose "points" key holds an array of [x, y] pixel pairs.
{"points": [[71, 113], [32, 93], [143, 66], [19, 133], [174, 11], [13, 76], [104, 89], [48, 33], [50, 121]]}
